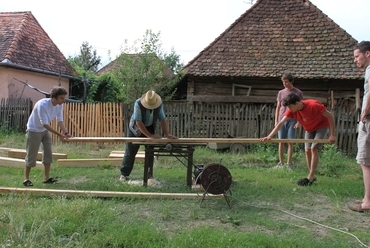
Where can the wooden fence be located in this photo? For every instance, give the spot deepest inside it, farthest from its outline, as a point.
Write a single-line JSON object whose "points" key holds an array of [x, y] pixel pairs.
{"points": [[14, 113], [186, 119], [92, 120]]}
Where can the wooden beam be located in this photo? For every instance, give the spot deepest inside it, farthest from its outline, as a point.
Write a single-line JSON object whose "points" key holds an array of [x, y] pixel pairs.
{"points": [[15, 162], [123, 152], [89, 162], [21, 153], [5, 149], [61, 192], [190, 140], [236, 99], [139, 158]]}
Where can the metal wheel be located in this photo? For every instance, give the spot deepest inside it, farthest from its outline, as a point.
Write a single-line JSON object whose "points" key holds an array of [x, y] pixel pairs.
{"points": [[215, 179]]}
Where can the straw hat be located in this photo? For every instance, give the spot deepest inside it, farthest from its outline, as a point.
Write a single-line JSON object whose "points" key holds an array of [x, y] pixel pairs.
{"points": [[151, 100]]}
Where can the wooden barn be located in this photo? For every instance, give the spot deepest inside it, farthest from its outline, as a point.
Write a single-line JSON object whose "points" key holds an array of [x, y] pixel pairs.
{"points": [[245, 63]]}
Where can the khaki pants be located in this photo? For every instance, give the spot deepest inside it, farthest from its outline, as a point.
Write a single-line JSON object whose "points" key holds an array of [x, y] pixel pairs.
{"points": [[34, 139]]}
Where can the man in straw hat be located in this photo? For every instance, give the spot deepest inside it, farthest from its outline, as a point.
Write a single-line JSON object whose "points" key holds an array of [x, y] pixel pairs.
{"points": [[147, 110]]}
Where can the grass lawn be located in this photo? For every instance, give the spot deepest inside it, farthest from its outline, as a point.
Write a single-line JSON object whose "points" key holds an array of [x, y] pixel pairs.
{"points": [[267, 207]]}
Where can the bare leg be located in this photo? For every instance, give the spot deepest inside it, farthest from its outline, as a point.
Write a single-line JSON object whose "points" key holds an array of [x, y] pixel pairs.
{"points": [[308, 158], [366, 175], [290, 153], [314, 163], [46, 171], [281, 152], [27, 171]]}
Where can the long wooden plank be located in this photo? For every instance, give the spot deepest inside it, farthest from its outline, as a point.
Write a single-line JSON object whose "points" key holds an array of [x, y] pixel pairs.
{"points": [[123, 152], [139, 158], [21, 153], [61, 192], [89, 162], [5, 149], [15, 162], [190, 140]]}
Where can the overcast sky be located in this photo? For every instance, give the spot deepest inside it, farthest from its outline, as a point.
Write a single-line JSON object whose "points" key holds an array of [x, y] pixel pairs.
{"points": [[187, 26]]}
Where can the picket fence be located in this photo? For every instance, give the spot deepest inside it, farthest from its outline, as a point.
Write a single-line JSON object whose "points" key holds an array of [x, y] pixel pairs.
{"points": [[186, 119]]}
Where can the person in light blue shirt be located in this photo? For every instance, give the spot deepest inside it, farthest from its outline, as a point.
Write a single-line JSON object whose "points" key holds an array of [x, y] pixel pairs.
{"points": [[147, 111]]}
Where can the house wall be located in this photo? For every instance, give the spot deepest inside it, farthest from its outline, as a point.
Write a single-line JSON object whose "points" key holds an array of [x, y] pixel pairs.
{"points": [[10, 87], [268, 88], [3, 83]]}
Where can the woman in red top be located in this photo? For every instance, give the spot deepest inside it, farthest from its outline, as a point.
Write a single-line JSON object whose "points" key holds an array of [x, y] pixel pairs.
{"points": [[316, 120]]}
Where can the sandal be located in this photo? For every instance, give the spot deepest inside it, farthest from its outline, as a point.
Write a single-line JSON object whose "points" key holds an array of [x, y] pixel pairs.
{"points": [[27, 183], [50, 181], [305, 182]]}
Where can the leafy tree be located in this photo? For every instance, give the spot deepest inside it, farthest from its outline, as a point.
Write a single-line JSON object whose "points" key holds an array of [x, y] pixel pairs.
{"points": [[86, 64], [87, 60], [144, 66]]}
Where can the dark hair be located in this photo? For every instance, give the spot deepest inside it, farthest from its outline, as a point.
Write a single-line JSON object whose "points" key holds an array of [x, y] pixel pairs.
{"points": [[290, 99], [363, 46], [57, 91], [288, 76]]}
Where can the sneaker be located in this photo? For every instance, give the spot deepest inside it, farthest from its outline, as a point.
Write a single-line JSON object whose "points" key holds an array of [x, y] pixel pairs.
{"points": [[123, 178], [288, 167], [305, 182], [278, 166]]}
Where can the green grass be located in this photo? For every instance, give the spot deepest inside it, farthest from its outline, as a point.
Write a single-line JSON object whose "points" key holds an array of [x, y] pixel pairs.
{"points": [[267, 208]]}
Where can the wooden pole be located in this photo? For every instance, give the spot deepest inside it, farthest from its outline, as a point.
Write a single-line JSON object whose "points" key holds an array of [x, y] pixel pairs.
{"points": [[61, 192], [191, 140]]}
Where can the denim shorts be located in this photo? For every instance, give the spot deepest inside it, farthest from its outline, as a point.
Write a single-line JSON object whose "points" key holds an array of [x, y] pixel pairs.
{"points": [[288, 131]]}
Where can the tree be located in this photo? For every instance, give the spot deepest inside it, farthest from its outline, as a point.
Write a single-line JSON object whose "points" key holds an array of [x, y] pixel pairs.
{"points": [[87, 60], [86, 64], [144, 66]]}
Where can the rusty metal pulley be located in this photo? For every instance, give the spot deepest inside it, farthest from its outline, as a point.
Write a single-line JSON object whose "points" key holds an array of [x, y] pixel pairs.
{"points": [[215, 179]]}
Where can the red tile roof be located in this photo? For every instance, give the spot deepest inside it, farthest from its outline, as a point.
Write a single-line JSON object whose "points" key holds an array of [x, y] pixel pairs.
{"points": [[24, 42], [275, 36]]}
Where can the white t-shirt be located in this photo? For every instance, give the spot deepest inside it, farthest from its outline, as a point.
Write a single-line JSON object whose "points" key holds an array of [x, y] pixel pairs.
{"points": [[43, 113]]}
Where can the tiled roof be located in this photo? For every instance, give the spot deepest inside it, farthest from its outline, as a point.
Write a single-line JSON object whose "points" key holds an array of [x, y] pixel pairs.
{"points": [[275, 36], [24, 42]]}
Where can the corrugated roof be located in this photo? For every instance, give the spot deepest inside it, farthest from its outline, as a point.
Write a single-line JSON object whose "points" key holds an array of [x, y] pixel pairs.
{"points": [[24, 42], [274, 36]]}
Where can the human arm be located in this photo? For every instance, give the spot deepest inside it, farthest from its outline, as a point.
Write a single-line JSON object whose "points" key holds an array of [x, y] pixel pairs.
{"points": [[64, 130], [366, 111], [165, 128], [275, 130], [330, 117], [62, 135], [145, 131], [277, 111]]}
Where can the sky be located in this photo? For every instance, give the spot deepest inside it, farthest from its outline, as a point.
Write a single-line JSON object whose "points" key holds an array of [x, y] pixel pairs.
{"points": [[186, 26]]}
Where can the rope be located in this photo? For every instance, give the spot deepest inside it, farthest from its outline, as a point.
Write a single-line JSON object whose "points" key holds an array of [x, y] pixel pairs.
{"points": [[312, 221]]}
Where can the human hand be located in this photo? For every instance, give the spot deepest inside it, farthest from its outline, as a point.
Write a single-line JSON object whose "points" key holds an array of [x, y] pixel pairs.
{"points": [[170, 136], [265, 138], [68, 136], [155, 136], [332, 139]]}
